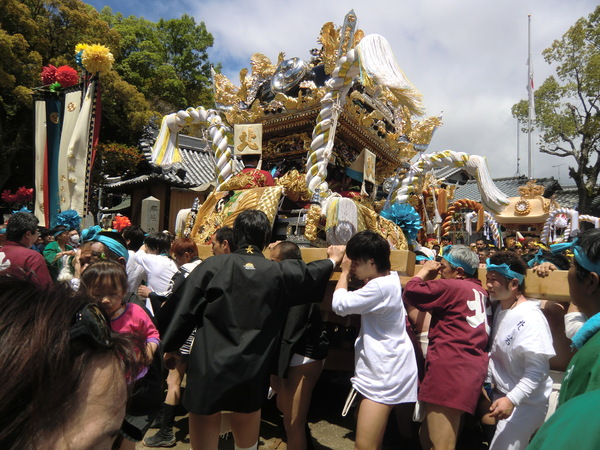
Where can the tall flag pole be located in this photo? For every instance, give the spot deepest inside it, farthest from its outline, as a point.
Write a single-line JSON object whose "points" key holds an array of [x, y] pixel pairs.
{"points": [[531, 110]]}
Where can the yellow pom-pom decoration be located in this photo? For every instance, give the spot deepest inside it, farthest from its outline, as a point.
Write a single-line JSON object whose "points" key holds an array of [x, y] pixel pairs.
{"points": [[80, 48], [97, 58]]}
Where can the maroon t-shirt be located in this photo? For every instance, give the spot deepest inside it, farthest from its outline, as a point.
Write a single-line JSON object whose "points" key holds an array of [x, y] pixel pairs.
{"points": [[457, 359], [21, 262]]}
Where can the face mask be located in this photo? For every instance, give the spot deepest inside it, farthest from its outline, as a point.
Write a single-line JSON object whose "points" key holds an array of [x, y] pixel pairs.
{"points": [[74, 239]]}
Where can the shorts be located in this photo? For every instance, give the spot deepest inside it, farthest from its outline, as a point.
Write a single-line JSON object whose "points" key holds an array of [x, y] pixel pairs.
{"points": [[300, 360]]}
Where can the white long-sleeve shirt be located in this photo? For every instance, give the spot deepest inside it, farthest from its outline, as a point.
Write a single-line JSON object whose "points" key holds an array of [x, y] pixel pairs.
{"points": [[520, 353]]}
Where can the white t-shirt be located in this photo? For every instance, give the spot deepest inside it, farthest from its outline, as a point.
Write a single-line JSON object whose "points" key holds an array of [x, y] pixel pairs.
{"points": [[385, 365], [520, 353], [135, 272], [159, 270]]}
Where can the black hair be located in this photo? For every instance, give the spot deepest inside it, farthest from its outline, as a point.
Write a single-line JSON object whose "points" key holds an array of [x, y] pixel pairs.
{"points": [[158, 242], [250, 159], [589, 242], [60, 229], [19, 224], [135, 235], [515, 263], [288, 250], [226, 234], [43, 231], [559, 260], [528, 257], [368, 244], [252, 227]]}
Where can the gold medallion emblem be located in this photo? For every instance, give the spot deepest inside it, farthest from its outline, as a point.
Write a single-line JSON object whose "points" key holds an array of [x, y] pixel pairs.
{"points": [[522, 207]]}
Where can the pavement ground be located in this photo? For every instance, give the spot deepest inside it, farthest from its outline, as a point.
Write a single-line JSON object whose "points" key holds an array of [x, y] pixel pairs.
{"points": [[330, 431]]}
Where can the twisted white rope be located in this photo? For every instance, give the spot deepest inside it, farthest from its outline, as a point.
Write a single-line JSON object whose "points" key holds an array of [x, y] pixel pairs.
{"points": [[324, 132], [491, 197], [166, 151], [549, 225]]}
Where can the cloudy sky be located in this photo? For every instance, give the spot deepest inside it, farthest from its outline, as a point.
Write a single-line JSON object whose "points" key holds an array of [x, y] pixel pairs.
{"points": [[467, 57]]}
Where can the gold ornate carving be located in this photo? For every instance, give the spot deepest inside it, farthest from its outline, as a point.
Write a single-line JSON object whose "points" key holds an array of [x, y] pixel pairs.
{"points": [[313, 217], [297, 142], [330, 40], [261, 65], [294, 186], [392, 232], [422, 131], [225, 92], [531, 189], [358, 37]]}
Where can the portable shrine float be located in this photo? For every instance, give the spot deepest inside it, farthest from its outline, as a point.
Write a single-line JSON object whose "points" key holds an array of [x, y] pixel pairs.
{"points": [[343, 136]]}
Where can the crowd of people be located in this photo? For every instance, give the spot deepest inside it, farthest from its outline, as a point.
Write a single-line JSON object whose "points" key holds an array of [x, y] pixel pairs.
{"points": [[90, 318]]}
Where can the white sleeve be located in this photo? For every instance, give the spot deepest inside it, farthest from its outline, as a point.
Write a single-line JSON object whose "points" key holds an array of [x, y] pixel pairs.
{"points": [[139, 256], [363, 300], [573, 322], [536, 372]]}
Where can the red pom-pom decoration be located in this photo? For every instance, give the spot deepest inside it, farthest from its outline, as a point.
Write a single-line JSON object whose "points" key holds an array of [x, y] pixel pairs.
{"points": [[66, 76], [48, 74]]}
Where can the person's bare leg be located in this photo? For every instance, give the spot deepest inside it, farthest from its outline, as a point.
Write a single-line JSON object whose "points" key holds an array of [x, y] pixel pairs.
{"points": [[126, 444], [295, 396], [174, 379], [371, 424], [245, 428], [204, 431], [440, 430]]}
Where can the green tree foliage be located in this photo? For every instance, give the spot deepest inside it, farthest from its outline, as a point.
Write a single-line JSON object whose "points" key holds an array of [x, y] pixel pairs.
{"points": [[167, 60], [568, 107], [159, 68], [118, 159]]}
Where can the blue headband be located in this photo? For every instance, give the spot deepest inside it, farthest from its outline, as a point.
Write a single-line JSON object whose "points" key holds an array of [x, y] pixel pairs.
{"points": [[538, 258], [447, 255], [93, 234], [423, 258], [504, 270], [58, 233], [580, 255]]}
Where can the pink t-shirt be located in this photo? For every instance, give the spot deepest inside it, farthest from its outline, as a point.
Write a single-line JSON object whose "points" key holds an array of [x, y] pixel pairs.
{"points": [[135, 320]]}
